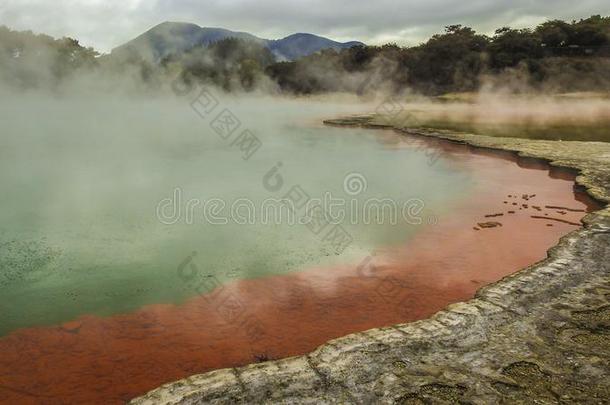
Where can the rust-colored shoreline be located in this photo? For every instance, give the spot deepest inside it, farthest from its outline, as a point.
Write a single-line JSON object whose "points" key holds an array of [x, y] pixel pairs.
{"points": [[105, 360]]}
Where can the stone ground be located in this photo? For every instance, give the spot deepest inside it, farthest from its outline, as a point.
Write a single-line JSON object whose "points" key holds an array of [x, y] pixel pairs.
{"points": [[539, 336]]}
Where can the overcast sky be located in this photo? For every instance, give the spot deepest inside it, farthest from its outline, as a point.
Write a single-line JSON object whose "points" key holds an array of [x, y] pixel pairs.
{"points": [[105, 24]]}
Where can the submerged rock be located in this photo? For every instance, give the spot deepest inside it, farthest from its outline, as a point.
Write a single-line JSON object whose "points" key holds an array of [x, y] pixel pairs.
{"points": [[489, 224]]}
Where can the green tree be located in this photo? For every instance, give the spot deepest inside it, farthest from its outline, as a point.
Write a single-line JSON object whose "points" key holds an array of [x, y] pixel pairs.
{"points": [[555, 33], [510, 46]]}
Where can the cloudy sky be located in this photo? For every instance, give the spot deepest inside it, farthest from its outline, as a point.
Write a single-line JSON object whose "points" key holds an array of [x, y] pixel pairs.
{"points": [[105, 24]]}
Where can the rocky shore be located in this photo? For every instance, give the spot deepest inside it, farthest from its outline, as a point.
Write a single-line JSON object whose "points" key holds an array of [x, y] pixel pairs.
{"points": [[541, 335]]}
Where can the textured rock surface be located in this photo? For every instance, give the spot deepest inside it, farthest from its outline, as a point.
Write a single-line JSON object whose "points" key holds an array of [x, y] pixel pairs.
{"points": [[541, 335]]}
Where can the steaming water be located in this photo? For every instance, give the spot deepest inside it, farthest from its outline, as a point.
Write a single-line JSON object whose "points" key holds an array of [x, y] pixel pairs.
{"points": [[82, 179]]}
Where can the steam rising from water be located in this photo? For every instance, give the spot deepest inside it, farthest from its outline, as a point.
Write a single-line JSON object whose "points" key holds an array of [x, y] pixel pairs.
{"points": [[82, 177], [505, 109], [84, 163]]}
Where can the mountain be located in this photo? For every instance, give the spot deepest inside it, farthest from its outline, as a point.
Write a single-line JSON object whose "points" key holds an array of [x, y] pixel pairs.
{"points": [[298, 45], [176, 37]]}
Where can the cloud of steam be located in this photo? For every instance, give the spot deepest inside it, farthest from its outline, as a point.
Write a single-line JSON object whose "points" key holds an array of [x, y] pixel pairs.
{"points": [[507, 103]]}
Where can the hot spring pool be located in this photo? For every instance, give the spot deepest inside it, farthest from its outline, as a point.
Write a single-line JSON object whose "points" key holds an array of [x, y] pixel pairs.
{"points": [[151, 241]]}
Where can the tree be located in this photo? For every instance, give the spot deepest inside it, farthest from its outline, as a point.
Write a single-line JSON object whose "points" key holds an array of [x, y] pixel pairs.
{"points": [[593, 32], [456, 53], [555, 33], [510, 46]]}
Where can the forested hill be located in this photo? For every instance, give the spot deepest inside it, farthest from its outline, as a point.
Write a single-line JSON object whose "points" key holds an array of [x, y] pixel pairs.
{"points": [[555, 54]]}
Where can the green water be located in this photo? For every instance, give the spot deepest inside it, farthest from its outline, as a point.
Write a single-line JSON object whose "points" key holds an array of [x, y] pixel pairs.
{"points": [[82, 179]]}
